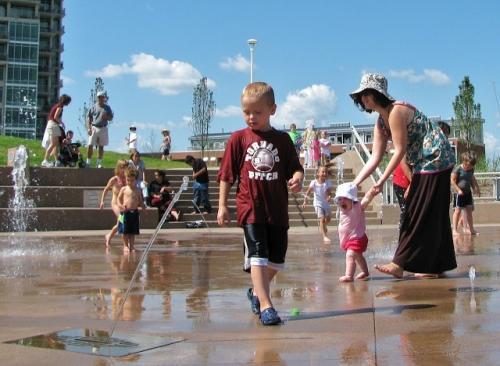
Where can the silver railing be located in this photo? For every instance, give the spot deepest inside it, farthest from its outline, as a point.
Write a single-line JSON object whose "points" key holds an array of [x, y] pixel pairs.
{"points": [[489, 185]]}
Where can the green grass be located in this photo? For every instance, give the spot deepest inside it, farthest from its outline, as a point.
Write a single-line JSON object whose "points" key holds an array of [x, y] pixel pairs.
{"points": [[36, 153]]}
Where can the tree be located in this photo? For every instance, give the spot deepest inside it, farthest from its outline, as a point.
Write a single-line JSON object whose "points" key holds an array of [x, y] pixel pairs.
{"points": [[82, 118], [202, 113], [467, 119]]}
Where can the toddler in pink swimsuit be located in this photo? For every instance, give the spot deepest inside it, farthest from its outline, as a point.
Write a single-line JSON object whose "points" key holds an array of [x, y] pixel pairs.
{"points": [[352, 230]]}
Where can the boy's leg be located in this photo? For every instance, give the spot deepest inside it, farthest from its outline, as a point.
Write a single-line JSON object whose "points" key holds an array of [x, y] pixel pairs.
{"points": [[131, 242], [456, 217], [125, 242], [470, 220], [350, 266], [260, 281], [465, 220]]}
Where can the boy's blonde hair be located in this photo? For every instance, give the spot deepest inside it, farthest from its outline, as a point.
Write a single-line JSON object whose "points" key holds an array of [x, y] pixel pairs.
{"points": [[468, 157], [258, 90], [131, 172]]}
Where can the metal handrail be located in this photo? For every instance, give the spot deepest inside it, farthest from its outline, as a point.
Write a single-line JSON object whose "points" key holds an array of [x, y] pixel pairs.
{"points": [[366, 151]]}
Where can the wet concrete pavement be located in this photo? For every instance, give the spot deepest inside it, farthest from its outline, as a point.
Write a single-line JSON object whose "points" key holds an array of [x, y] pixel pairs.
{"points": [[192, 288]]}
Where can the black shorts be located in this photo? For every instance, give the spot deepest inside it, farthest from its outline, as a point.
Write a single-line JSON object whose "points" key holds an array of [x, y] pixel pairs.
{"points": [[128, 222], [265, 245], [464, 200], [166, 151]]}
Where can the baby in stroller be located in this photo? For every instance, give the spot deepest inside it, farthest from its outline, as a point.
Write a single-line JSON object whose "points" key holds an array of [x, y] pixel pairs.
{"points": [[69, 153]]}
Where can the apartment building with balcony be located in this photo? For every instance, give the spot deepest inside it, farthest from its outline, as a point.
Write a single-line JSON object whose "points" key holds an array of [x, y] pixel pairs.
{"points": [[30, 64]]}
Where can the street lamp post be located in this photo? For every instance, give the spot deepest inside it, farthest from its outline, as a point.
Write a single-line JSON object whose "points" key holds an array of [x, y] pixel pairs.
{"points": [[251, 43]]}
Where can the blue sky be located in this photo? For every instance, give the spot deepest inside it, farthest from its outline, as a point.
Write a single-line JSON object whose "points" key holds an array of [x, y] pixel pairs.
{"points": [[151, 53]]}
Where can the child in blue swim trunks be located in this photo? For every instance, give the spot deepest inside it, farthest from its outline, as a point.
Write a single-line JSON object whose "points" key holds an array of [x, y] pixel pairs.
{"points": [[129, 201]]}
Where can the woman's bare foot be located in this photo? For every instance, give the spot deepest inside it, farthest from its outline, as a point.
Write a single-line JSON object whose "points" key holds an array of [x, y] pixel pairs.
{"points": [[391, 269], [126, 249], [107, 237], [454, 232], [363, 276], [326, 239], [346, 279]]}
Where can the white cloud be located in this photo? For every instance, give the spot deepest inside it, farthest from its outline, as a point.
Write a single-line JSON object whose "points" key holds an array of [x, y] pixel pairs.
{"points": [[433, 76], [491, 144], [67, 80], [186, 120], [316, 102], [169, 78], [238, 63], [229, 111]]}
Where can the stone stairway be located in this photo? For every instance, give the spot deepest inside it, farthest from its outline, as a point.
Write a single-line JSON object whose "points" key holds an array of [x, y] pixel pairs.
{"points": [[67, 199]]}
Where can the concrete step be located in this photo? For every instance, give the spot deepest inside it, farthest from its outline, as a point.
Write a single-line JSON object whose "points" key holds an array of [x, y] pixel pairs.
{"points": [[99, 177], [56, 219]]}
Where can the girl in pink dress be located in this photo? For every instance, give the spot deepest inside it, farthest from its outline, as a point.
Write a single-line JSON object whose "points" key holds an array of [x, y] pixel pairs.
{"points": [[315, 150], [352, 230]]}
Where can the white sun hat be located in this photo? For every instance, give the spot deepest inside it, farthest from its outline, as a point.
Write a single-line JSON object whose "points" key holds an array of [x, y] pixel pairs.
{"points": [[347, 190], [376, 82]]}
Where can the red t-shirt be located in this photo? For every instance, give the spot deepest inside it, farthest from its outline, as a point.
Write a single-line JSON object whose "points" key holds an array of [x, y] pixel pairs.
{"points": [[399, 177], [262, 163]]}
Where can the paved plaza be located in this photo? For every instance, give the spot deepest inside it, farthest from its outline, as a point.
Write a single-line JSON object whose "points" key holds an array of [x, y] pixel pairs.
{"points": [[192, 290]]}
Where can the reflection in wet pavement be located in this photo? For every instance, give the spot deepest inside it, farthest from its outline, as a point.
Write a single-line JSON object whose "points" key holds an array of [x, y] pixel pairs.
{"points": [[192, 287]]}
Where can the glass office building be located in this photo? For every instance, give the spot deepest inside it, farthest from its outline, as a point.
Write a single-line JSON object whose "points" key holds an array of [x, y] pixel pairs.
{"points": [[30, 64]]}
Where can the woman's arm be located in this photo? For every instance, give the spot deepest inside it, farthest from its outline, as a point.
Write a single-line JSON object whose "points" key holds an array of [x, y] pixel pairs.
{"points": [[398, 119], [378, 150], [406, 168]]}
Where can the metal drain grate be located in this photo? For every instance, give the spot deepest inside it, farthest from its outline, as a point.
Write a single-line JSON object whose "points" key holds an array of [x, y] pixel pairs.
{"points": [[473, 289], [96, 342]]}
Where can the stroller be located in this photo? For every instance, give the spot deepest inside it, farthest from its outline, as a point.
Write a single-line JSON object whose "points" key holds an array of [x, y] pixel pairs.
{"points": [[69, 155]]}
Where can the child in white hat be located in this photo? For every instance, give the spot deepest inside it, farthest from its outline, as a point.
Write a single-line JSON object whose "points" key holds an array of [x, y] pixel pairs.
{"points": [[352, 230]]}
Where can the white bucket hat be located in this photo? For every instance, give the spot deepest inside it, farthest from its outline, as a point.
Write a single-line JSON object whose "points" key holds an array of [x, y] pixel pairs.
{"points": [[347, 190], [376, 82]]}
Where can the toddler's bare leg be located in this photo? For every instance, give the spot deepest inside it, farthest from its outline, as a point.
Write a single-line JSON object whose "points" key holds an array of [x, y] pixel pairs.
{"points": [[350, 266], [363, 266]]}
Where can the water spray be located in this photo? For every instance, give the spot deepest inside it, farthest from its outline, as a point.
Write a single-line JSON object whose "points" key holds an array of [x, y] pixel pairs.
{"points": [[183, 187]]}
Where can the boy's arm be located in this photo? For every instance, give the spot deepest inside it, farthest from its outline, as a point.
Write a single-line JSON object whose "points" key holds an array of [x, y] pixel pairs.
{"points": [[295, 184], [475, 186], [454, 177], [223, 213], [119, 199], [140, 197]]}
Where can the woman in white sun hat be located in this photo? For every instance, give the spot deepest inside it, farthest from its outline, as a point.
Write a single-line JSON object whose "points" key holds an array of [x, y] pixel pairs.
{"points": [[425, 240]]}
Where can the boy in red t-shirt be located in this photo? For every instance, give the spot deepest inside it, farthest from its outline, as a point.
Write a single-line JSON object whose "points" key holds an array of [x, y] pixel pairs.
{"points": [[265, 164]]}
